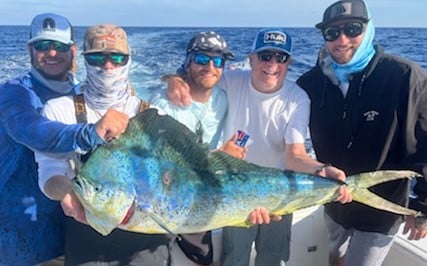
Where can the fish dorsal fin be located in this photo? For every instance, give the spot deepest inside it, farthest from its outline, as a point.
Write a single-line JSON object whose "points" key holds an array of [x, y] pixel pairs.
{"points": [[167, 139], [219, 160]]}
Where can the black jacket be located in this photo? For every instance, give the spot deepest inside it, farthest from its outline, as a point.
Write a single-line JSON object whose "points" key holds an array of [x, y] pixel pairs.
{"points": [[380, 124]]}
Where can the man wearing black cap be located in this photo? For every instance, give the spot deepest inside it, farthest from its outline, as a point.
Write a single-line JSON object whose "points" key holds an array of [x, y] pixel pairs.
{"points": [[368, 112]]}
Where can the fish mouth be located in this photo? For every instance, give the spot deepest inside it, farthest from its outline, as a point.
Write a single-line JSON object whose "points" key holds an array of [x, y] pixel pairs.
{"points": [[129, 213]]}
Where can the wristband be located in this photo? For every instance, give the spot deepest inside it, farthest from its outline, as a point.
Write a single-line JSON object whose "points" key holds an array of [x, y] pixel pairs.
{"points": [[320, 169]]}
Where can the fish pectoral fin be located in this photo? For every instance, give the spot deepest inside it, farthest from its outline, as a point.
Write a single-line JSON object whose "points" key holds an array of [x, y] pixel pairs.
{"points": [[159, 220]]}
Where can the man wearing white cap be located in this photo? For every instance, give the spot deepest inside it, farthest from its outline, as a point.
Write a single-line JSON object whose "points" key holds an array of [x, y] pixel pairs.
{"points": [[31, 228]]}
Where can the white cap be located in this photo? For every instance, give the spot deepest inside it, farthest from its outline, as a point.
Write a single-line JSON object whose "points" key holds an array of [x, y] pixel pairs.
{"points": [[49, 26]]}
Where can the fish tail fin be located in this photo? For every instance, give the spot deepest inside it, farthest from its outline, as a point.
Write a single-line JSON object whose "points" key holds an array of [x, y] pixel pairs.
{"points": [[359, 184]]}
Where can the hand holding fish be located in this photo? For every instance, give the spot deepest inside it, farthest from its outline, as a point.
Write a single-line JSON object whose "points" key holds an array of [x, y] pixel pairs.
{"points": [[335, 173], [112, 125], [261, 216], [73, 208], [416, 226]]}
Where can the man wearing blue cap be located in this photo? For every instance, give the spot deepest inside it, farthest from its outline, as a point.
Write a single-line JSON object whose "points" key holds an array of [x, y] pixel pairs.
{"points": [[368, 112], [275, 113], [31, 227]]}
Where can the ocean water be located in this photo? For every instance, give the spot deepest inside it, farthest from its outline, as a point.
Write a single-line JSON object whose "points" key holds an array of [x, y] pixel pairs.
{"points": [[158, 51]]}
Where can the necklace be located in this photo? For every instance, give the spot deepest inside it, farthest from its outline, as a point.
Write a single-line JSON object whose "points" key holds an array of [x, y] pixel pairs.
{"points": [[200, 114], [199, 132]]}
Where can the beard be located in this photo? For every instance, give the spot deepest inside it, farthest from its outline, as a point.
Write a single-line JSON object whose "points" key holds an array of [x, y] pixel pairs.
{"points": [[54, 76]]}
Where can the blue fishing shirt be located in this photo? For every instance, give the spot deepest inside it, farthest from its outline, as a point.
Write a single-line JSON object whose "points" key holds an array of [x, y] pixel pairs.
{"points": [[31, 225]]}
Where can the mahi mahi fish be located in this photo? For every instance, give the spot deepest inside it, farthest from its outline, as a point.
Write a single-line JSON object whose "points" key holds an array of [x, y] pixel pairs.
{"points": [[157, 179]]}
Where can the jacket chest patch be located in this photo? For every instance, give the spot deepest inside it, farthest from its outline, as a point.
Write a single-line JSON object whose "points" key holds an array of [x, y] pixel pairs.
{"points": [[371, 115]]}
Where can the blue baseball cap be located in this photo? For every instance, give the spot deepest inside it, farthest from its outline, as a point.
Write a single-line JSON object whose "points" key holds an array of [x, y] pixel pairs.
{"points": [[272, 39]]}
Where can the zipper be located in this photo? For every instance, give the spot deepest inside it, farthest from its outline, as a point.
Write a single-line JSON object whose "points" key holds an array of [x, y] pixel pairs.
{"points": [[359, 94]]}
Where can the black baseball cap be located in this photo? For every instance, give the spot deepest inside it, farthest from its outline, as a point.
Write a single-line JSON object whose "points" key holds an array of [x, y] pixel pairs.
{"points": [[346, 9]]}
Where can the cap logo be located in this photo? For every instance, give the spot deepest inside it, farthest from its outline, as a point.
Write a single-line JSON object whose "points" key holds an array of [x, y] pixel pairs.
{"points": [[48, 24], [339, 10], [274, 37]]}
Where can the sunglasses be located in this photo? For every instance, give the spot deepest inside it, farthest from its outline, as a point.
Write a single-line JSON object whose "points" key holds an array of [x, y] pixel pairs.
{"points": [[46, 45], [99, 59], [203, 59], [280, 58], [352, 29]]}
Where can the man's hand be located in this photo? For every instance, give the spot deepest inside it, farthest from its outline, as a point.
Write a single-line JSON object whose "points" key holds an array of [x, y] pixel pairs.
{"points": [[261, 216], [178, 91], [112, 125], [233, 149], [335, 173], [73, 208], [416, 226]]}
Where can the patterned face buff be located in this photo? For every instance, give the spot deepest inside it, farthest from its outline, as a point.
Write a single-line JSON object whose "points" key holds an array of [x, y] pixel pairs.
{"points": [[107, 88]]}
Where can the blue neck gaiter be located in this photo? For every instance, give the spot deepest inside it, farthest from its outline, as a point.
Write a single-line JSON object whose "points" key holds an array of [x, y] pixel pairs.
{"points": [[361, 58]]}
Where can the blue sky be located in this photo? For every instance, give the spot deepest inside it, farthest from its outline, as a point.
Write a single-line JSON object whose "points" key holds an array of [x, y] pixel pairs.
{"points": [[201, 13]]}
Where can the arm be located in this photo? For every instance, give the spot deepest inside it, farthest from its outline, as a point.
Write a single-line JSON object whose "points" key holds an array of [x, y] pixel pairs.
{"points": [[56, 170], [55, 176], [233, 149], [58, 187], [25, 125], [178, 91], [297, 159]]}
